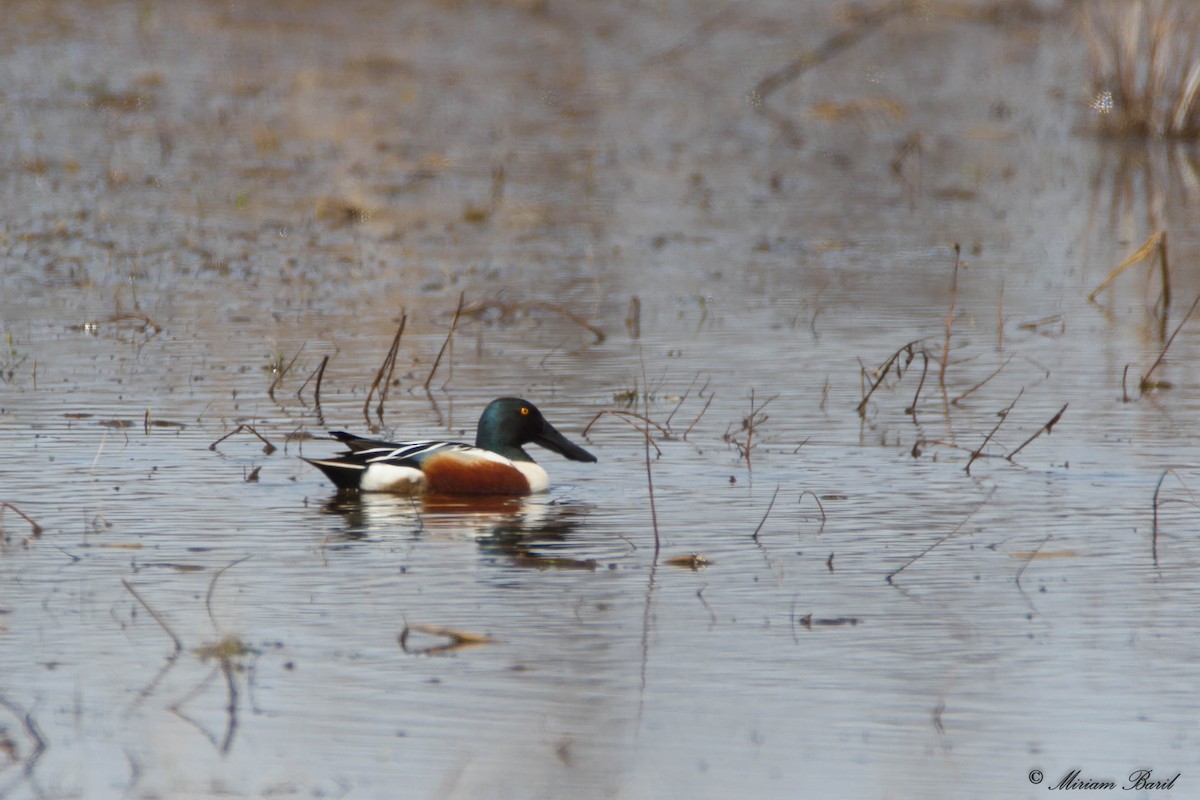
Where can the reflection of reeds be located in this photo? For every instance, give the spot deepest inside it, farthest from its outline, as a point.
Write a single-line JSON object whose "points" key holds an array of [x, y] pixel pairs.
{"points": [[1145, 63]]}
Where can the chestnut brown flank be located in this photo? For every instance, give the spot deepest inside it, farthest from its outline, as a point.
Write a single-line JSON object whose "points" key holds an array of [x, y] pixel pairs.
{"points": [[451, 473]]}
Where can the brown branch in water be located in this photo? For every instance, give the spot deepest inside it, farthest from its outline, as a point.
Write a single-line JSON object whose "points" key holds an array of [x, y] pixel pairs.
{"points": [[1003, 414], [449, 335], [1146, 383], [34, 528], [1046, 429], [268, 448], [945, 538], [819, 506], [383, 377], [762, 522]]}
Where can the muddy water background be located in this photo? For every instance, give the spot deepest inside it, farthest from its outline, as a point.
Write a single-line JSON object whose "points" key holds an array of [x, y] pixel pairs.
{"points": [[262, 182]]}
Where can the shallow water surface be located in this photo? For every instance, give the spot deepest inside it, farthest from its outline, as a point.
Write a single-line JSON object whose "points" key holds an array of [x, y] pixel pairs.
{"points": [[771, 595]]}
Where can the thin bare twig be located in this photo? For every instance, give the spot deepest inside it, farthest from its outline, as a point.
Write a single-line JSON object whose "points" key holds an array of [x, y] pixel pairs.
{"points": [[1046, 429], [945, 538], [449, 335], [319, 374], [383, 377], [1146, 382], [1003, 414], [707, 403], [762, 522], [882, 372], [819, 506], [980, 385]]}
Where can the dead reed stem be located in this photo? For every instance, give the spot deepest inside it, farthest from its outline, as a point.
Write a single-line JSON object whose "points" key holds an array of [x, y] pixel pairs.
{"points": [[1003, 414], [1156, 244], [882, 372], [912, 408], [383, 377], [763, 521], [819, 506], [449, 335], [319, 374], [1146, 382], [1046, 429]]}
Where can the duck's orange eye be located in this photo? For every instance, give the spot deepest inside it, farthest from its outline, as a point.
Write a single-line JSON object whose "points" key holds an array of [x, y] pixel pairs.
{"points": [[524, 411]]}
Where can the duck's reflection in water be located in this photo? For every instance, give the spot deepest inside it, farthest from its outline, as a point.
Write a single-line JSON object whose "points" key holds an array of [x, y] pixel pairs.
{"points": [[523, 530]]}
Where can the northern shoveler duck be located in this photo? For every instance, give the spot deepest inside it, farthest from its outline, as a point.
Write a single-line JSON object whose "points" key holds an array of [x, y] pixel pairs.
{"points": [[496, 464]]}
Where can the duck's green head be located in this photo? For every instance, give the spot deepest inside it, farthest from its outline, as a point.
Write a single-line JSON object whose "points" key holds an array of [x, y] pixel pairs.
{"points": [[510, 422]]}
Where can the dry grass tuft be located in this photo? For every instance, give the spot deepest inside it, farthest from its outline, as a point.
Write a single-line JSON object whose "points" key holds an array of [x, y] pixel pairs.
{"points": [[1145, 64]]}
